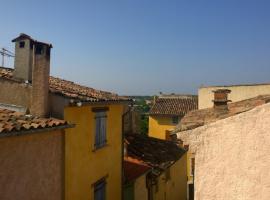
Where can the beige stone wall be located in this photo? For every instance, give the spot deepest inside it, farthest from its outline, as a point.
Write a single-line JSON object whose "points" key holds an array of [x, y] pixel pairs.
{"points": [[32, 167], [15, 93], [232, 157], [238, 93], [140, 189], [23, 61]]}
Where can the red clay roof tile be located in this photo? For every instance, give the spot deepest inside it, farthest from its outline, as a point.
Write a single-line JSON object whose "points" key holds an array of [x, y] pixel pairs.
{"points": [[174, 106], [70, 89], [11, 121]]}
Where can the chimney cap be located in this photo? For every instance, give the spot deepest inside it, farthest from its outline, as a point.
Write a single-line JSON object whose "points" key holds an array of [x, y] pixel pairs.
{"points": [[227, 91], [23, 36]]}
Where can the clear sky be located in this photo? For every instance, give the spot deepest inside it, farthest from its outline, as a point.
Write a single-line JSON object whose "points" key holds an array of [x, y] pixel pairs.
{"points": [[146, 46]]}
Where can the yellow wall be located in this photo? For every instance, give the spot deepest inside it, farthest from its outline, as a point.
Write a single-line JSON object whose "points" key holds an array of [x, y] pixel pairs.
{"points": [[84, 166], [238, 93], [158, 126], [176, 187], [140, 189], [190, 177]]}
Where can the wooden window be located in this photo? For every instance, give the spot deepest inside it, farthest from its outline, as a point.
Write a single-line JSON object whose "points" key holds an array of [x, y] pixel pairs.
{"points": [[175, 120], [100, 190], [100, 132]]}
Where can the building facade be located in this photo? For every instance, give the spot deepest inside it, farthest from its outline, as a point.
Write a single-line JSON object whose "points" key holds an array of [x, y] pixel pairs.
{"points": [[217, 138], [167, 178], [93, 154], [166, 113], [238, 93], [32, 157]]}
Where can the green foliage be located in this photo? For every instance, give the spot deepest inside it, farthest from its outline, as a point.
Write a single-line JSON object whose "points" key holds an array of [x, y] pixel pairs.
{"points": [[141, 107]]}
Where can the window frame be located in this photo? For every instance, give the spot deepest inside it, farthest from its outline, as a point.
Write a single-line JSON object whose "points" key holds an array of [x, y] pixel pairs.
{"points": [[100, 120], [100, 185], [192, 166], [22, 44], [175, 119]]}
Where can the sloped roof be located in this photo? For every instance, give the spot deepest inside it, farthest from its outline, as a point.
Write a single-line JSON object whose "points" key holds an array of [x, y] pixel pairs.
{"points": [[70, 89], [23, 36], [174, 106], [134, 168], [152, 151], [12, 123], [201, 117]]}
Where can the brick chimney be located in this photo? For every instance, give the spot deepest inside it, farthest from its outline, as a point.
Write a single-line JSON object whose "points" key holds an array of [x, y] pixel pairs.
{"points": [[32, 64], [221, 99]]}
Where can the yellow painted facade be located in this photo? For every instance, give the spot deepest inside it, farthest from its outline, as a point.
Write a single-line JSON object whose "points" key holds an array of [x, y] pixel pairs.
{"points": [[176, 187], [158, 125], [85, 165], [189, 171]]}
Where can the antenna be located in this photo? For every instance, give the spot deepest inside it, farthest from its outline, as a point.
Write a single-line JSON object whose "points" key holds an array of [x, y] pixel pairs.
{"points": [[4, 52]]}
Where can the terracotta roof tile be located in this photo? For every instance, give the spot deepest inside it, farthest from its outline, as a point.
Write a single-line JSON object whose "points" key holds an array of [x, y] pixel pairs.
{"points": [[11, 121], [70, 89], [174, 106], [152, 151], [134, 168], [201, 117]]}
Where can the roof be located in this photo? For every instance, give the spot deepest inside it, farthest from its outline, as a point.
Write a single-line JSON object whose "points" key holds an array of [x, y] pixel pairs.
{"points": [[70, 89], [202, 117], [134, 168], [235, 85], [174, 105], [16, 123], [23, 36], [155, 152]]}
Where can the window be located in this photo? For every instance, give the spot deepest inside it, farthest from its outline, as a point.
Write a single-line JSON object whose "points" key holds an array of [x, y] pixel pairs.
{"points": [[100, 190], [21, 44], [100, 134], [39, 49], [192, 166], [167, 174], [175, 120]]}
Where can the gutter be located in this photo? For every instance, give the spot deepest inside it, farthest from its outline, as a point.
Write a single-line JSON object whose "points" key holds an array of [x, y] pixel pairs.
{"points": [[34, 131]]}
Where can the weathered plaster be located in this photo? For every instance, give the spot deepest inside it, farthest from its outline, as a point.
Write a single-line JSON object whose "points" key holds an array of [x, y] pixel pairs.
{"points": [[232, 157], [32, 166]]}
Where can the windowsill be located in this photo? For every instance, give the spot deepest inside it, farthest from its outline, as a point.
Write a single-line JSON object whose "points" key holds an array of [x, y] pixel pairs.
{"points": [[99, 148]]}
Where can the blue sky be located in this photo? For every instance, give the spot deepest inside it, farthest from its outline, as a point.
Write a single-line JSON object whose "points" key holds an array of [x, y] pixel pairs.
{"points": [[146, 46]]}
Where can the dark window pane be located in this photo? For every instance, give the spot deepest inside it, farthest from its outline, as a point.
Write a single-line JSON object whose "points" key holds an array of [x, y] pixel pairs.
{"points": [[21, 44]]}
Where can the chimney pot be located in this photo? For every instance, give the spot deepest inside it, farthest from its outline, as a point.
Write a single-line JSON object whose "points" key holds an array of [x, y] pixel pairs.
{"points": [[221, 98]]}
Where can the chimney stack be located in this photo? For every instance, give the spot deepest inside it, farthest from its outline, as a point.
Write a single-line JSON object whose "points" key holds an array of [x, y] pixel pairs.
{"points": [[221, 98], [32, 65]]}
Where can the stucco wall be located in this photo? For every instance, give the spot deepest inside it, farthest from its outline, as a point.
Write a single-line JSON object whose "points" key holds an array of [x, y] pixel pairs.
{"points": [[84, 165], [140, 189], [15, 93], [158, 126], [176, 187], [32, 167], [232, 157], [238, 93]]}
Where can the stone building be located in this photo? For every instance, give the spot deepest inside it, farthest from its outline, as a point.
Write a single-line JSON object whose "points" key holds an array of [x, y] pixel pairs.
{"points": [[229, 143], [166, 112], [238, 93], [31, 157]]}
